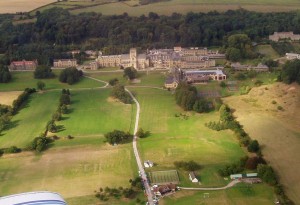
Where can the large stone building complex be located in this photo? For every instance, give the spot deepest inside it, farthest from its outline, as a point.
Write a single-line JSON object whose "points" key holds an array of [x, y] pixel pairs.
{"points": [[284, 35], [64, 63], [178, 57], [23, 65], [133, 59]]}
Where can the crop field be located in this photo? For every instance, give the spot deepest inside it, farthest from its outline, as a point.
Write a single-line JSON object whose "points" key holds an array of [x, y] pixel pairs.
{"points": [[164, 177], [277, 131], [22, 80], [7, 98], [13, 6], [132, 7], [185, 6], [71, 172], [31, 120], [241, 194], [92, 114]]}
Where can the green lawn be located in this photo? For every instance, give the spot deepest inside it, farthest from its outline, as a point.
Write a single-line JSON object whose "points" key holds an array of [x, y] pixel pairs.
{"points": [[151, 78], [22, 80], [92, 114], [267, 51], [31, 120], [175, 138], [242, 194]]}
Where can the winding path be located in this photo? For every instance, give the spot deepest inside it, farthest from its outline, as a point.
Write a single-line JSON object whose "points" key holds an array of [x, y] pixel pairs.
{"points": [[231, 184]]}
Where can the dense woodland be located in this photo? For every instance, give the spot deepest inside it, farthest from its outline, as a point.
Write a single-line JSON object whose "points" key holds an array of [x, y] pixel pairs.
{"points": [[57, 31]]}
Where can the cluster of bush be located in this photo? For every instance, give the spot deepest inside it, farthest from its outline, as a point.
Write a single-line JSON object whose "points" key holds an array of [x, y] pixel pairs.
{"points": [[130, 193], [5, 75], [62, 108], [6, 112], [43, 72], [70, 75], [142, 134], [22, 99], [117, 137], [227, 121], [113, 81], [40, 143], [187, 166], [186, 97], [265, 172], [290, 72], [248, 163], [119, 92], [268, 175]]}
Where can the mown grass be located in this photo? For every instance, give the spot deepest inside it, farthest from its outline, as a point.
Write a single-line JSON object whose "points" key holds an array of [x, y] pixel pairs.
{"points": [[175, 138], [150, 78], [92, 114], [22, 80], [267, 51], [31, 120]]}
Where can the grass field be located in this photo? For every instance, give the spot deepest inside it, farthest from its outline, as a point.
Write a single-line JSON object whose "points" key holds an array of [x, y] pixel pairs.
{"points": [[242, 194], [168, 7], [277, 131], [22, 80], [175, 138], [164, 177], [31, 120], [7, 98], [267, 51], [151, 78], [92, 115], [14, 6]]}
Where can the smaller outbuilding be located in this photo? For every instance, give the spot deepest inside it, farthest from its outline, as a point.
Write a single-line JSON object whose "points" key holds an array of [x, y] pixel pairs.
{"points": [[148, 164], [193, 178], [236, 176]]}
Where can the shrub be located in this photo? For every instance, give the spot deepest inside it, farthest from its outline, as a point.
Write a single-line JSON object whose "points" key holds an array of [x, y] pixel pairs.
{"points": [[117, 137], [65, 99], [42, 72], [70, 75], [40, 144], [274, 102], [279, 107], [188, 166], [253, 146], [12, 149], [119, 92], [113, 81]]}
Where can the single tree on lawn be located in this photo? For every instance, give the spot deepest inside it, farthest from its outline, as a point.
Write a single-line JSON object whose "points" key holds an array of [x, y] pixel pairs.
{"points": [[41, 85]]}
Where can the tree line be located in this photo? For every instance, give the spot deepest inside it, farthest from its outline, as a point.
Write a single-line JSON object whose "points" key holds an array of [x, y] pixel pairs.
{"points": [[56, 31]]}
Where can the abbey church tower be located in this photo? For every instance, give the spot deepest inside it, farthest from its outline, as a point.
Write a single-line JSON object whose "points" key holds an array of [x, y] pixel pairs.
{"points": [[133, 57]]}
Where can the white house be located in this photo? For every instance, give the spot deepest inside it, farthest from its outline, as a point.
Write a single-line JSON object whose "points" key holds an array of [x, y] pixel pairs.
{"points": [[148, 164], [291, 56], [193, 177], [236, 176]]}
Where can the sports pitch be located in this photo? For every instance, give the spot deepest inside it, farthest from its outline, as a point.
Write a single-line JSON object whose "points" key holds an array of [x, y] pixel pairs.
{"points": [[164, 177]]}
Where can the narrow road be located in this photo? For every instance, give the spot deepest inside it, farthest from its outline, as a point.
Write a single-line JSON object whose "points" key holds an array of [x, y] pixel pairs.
{"points": [[231, 184], [106, 83], [136, 153], [134, 144]]}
